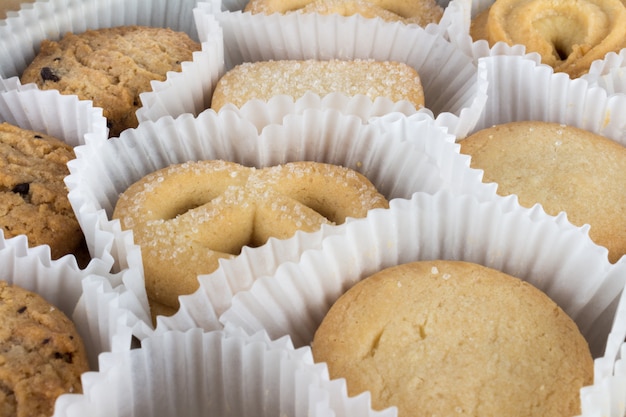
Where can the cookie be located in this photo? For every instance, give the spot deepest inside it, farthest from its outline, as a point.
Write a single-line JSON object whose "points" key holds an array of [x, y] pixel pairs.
{"points": [[563, 168], [110, 66], [41, 354], [33, 195], [263, 80], [188, 216], [455, 338]]}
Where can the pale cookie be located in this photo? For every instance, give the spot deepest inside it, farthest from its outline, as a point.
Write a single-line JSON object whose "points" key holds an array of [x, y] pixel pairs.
{"points": [[110, 67], [187, 217], [41, 354], [451, 338], [569, 35], [420, 12], [563, 169], [263, 80]]}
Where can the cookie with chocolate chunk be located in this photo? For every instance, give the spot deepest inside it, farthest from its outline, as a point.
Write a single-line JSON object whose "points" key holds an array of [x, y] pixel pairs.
{"points": [[33, 195], [41, 354], [110, 66]]}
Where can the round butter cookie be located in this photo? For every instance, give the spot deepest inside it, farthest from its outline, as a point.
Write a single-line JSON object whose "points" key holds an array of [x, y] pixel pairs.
{"points": [[455, 338], [563, 168], [33, 193], [186, 217], [110, 66], [41, 354]]}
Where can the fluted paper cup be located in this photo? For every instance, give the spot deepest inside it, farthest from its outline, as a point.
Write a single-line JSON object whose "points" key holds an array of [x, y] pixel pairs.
{"points": [[23, 31], [453, 92], [216, 373], [605, 71], [552, 255], [400, 156], [66, 118], [61, 282], [609, 73], [520, 89], [455, 13]]}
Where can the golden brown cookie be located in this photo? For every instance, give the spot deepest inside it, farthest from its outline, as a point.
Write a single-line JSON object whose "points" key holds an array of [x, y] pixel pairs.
{"points": [[41, 354], [188, 216], [33, 195], [455, 338], [420, 12], [569, 35], [562, 168], [265, 79], [110, 66]]}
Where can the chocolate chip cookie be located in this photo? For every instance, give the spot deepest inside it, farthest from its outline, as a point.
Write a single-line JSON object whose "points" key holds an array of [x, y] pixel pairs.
{"points": [[41, 354], [33, 195], [110, 66]]}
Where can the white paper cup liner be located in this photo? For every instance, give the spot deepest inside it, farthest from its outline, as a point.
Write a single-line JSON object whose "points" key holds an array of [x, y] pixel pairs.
{"points": [[22, 33], [456, 12], [62, 283], [520, 89], [399, 155], [65, 117], [451, 86], [215, 373], [604, 72], [554, 256], [609, 74]]}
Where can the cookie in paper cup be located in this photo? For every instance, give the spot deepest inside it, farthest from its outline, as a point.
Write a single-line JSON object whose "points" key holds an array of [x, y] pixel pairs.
{"points": [[398, 164], [537, 27], [23, 32], [455, 12], [40, 130], [553, 256], [448, 76], [61, 283], [216, 373]]}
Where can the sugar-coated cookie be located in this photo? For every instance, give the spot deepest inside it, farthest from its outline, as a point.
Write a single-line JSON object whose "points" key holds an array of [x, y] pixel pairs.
{"points": [[263, 80]]}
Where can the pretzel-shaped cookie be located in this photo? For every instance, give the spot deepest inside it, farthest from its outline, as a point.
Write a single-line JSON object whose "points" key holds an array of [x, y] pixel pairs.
{"points": [[568, 35], [187, 216]]}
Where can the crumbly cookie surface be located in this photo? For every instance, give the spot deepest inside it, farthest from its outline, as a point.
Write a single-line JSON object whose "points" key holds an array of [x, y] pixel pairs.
{"points": [[111, 67], [41, 354], [33, 195], [563, 168], [455, 338]]}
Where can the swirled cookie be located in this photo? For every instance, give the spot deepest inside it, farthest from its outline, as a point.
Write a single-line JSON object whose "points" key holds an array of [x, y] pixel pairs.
{"points": [[455, 338], [569, 35], [110, 66], [187, 216], [420, 12], [33, 193], [563, 168], [265, 79], [41, 354]]}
